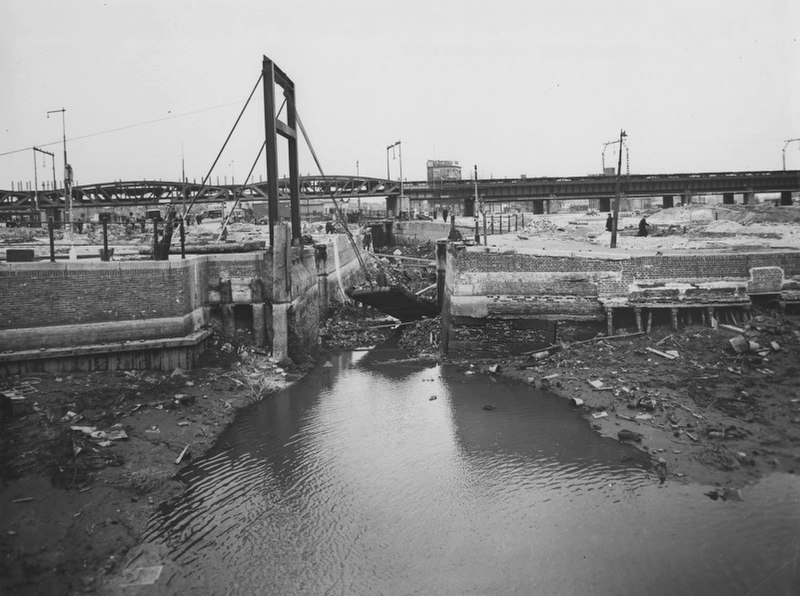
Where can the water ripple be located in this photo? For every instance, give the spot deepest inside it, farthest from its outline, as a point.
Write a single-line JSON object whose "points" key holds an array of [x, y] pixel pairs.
{"points": [[367, 486]]}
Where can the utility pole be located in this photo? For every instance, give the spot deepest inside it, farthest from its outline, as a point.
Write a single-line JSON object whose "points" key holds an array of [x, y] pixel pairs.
{"points": [[67, 177], [400, 155], [402, 197], [475, 208], [622, 136], [35, 206]]}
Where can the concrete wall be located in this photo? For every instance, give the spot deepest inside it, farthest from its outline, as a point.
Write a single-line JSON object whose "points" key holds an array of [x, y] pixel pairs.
{"points": [[484, 284]]}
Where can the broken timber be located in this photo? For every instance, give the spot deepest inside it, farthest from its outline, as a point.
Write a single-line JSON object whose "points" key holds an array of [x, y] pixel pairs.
{"points": [[396, 301]]}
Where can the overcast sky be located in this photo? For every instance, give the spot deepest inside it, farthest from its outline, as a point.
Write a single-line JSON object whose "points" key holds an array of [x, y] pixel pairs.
{"points": [[517, 87]]}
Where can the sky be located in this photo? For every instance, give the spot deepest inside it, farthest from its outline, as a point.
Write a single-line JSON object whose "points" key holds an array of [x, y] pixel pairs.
{"points": [[528, 87]]}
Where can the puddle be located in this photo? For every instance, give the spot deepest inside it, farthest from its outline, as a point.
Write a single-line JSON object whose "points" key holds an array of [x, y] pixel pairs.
{"points": [[356, 481]]}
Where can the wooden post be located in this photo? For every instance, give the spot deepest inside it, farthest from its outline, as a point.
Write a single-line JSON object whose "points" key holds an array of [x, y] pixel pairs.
{"points": [[610, 320], [52, 240], [649, 320], [674, 313], [638, 313]]}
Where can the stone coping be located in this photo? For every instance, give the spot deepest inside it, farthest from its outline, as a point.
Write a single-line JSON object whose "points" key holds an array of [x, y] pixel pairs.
{"points": [[192, 339]]}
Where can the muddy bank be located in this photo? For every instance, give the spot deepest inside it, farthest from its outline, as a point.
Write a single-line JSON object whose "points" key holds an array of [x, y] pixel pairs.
{"points": [[704, 411], [76, 494], [88, 457]]}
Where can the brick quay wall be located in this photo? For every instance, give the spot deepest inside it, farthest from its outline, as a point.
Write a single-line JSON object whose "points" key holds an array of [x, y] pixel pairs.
{"points": [[72, 310]]}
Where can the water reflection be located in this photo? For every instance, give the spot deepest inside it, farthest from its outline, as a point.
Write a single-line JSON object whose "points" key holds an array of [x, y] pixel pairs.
{"points": [[355, 481]]}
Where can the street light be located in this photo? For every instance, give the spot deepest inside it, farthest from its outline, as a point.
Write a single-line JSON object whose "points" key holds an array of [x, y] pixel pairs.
{"points": [[399, 146], [67, 171], [786, 144], [36, 178]]}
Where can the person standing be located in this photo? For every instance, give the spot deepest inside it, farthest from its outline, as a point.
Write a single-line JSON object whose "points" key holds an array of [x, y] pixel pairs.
{"points": [[643, 225], [609, 223]]}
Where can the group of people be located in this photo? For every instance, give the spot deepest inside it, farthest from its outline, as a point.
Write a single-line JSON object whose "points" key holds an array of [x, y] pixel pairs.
{"points": [[643, 225]]}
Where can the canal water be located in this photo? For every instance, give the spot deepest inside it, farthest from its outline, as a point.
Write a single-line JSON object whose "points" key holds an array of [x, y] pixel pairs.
{"points": [[357, 481]]}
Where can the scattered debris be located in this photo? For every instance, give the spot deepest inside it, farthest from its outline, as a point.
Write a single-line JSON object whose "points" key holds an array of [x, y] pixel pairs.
{"points": [[184, 454], [626, 435], [669, 355], [142, 576]]}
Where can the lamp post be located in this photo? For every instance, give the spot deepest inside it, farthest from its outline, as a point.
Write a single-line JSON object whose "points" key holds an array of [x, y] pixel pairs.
{"points": [[399, 146], [35, 177], [786, 144], [622, 136], [67, 177]]}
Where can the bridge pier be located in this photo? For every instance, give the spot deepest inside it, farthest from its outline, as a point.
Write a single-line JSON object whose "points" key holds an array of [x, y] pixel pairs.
{"points": [[748, 197], [667, 201], [605, 204], [686, 198], [786, 198], [538, 207], [728, 198]]}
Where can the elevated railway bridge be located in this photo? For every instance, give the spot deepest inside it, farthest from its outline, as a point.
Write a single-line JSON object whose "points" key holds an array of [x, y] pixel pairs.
{"points": [[538, 192]]}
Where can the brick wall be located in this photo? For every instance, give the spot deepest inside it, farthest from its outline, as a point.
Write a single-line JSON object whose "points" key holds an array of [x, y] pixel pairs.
{"points": [[161, 295], [44, 294]]}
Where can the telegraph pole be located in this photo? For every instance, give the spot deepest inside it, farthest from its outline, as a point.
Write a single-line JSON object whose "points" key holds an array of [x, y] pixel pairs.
{"points": [[622, 136]]}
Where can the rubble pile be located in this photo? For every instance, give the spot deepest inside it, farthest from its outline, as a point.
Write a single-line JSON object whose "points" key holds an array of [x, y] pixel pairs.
{"points": [[540, 226], [421, 338], [23, 235], [350, 326]]}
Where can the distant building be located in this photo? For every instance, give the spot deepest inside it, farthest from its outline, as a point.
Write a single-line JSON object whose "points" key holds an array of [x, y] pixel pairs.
{"points": [[443, 170]]}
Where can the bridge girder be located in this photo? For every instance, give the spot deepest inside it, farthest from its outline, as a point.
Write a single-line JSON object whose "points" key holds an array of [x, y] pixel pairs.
{"points": [[149, 192]]}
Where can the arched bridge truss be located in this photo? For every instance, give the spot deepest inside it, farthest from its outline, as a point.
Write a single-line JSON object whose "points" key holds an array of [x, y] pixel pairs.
{"points": [[149, 192]]}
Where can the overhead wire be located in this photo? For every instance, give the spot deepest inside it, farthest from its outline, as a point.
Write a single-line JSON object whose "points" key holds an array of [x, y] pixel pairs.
{"points": [[119, 128]]}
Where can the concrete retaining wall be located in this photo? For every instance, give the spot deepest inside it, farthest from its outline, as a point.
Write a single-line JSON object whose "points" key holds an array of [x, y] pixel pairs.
{"points": [[485, 284]]}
